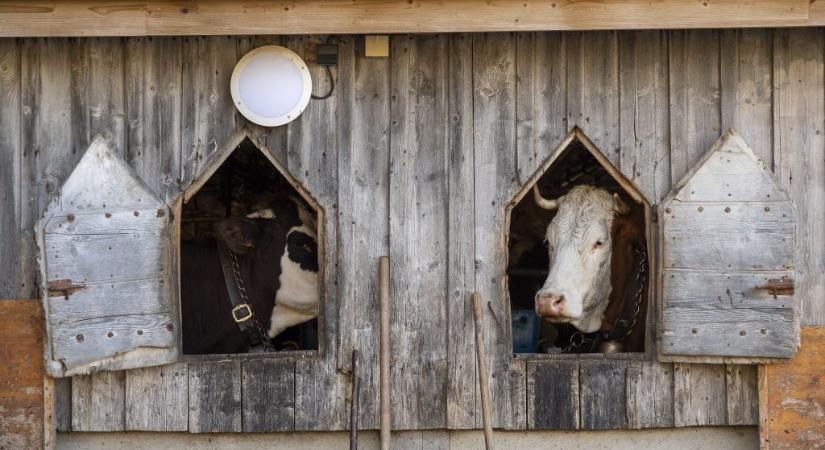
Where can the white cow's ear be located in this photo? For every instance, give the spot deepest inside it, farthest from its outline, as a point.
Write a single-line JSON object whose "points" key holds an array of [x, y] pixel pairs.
{"points": [[619, 205]]}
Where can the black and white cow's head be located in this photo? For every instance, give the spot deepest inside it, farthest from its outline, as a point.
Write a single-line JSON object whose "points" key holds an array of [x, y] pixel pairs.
{"points": [[579, 240]]}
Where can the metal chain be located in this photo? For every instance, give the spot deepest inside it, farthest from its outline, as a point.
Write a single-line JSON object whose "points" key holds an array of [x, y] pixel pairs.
{"points": [[640, 251], [241, 286]]}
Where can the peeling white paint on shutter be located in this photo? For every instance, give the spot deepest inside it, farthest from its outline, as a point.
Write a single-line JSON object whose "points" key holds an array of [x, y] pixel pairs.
{"points": [[105, 261], [728, 234]]}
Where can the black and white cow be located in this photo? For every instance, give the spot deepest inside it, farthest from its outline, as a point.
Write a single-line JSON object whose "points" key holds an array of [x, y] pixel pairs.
{"points": [[277, 252]]}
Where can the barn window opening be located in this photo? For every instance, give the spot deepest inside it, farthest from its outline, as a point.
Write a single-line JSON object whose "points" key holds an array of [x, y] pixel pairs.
{"points": [[249, 261], [579, 260]]}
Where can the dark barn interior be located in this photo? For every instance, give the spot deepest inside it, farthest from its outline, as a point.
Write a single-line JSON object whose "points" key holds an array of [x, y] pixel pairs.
{"points": [[528, 260], [245, 183]]}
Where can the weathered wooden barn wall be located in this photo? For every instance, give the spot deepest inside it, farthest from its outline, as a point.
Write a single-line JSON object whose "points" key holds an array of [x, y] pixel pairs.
{"points": [[415, 156]]}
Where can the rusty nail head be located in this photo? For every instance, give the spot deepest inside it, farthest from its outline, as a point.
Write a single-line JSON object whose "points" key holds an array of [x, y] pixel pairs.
{"points": [[667, 210], [727, 210], [694, 331], [170, 327], [701, 209], [135, 213], [79, 338], [161, 213], [767, 208], [742, 333], [764, 331], [70, 218], [110, 334], [140, 332], [108, 215]]}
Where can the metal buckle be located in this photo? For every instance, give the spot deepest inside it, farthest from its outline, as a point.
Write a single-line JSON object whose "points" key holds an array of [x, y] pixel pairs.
{"points": [[241, 307]]}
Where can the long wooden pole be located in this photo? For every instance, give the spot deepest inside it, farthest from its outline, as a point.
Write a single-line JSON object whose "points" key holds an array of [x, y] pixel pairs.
{"points": [[484, 380], [384, 298], [353, 418]]}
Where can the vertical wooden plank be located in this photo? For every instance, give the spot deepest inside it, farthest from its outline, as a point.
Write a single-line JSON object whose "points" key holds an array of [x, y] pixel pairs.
{"points": [[105, 91], [98, 402], [208, 113], [22, 396], [153, 109], [695, 116], [699, 395], [541, 114], [10, 154], [322, 396], [215, 397], [746, 79], [418, 231], [593, 88], [603, 397], [644, 133], [268, 388], [799, 111], [157, 398], [415, 440], [363, 165], [63, 404], [649, 395], [742, 402], [494, 77], [553, 395], [463, 398]]}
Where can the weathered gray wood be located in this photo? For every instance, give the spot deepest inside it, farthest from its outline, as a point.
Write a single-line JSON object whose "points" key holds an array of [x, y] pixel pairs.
{"points": [[208, 117], [363, 201], [643, 114], [10, 165], [63, 404], [463, 397], [418, 231], [268, 399], [541, 113], [746, 84], [649, 395], [710, 228], [742, 401], [414, 440], [694, 97], [157, 398], [98, 402], [799, 149], [602, 394], [593, 88], [322, 396], [111, 334], [280, 140], [699, 395], [494, 79], [553, 395], [215, 397]]}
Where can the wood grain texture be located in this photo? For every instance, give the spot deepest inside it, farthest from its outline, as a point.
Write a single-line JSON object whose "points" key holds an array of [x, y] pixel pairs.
{"points": [[99, 402], [649, 395], [10, 165], [553, 395], [215, 397], [363, 202], [494, 116], [22, 375], [268, 388], [418, 231], [799, 149], [463, 396], [603, 394], [122, 18], [791, 397], [699, 395], [63, 404], [157, 398], [743, 405]]}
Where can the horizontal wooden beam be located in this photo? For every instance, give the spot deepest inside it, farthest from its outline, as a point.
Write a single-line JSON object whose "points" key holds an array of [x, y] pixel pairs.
{"points": [[212, 17]]}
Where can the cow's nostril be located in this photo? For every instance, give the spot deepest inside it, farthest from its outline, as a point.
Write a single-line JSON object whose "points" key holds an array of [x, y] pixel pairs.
{"points": [[558, 300]]}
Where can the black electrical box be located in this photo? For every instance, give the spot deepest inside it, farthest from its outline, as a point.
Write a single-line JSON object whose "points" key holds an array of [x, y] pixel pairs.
{"points": [[327, 54]]}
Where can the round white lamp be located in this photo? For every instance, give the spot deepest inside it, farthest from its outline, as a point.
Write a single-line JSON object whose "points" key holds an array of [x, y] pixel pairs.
{"points": [[271, 86]]}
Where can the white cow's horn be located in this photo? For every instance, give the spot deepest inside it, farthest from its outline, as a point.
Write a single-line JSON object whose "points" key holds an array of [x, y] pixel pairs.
{"points": [[267, 213], [543, 202]]}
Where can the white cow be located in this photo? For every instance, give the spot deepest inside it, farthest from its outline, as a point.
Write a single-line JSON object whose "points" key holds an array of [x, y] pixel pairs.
{"points": [[579, 239]]}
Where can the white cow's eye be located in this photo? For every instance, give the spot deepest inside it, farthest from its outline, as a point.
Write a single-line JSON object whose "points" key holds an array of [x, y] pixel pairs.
{"points": [[598, 244]]}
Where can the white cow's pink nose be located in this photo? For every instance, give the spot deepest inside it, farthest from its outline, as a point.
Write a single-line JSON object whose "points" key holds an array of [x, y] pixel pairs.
{"points": [[549, 304]]}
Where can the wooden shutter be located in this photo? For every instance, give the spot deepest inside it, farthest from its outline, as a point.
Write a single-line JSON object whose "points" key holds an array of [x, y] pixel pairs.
{"points": [[728, 236], [105, 261]]}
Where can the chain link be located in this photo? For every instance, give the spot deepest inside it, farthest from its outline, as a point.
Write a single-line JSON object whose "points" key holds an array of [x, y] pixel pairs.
{"points": [[241, 286]]}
